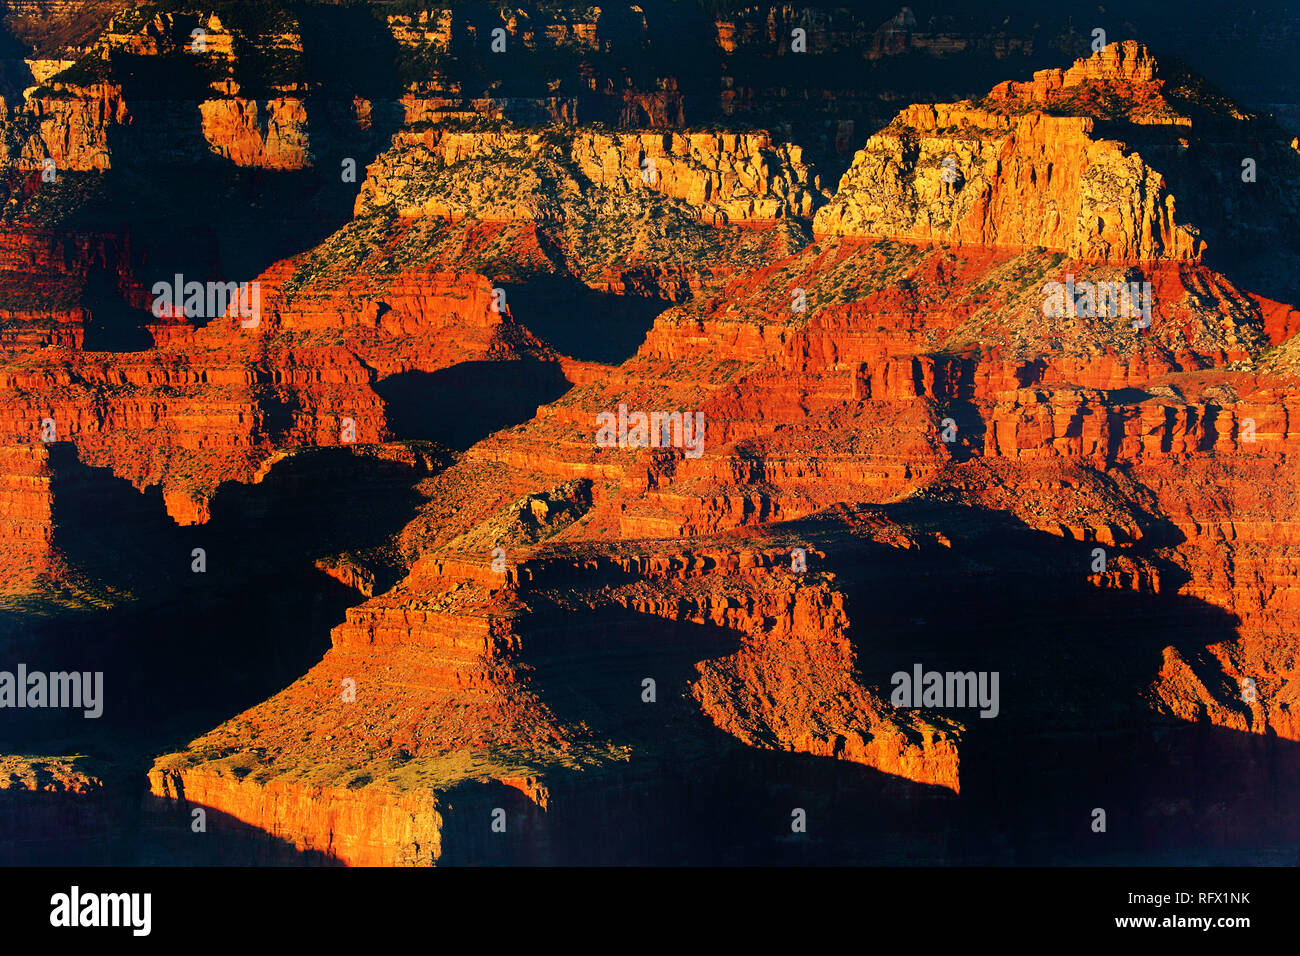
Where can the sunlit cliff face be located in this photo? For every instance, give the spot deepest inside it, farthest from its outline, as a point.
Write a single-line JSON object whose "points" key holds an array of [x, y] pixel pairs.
{"points": [[691, 463]]}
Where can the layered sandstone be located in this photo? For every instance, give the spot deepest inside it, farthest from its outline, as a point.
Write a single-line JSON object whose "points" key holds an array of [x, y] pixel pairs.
{"points": [[965, 175], [270, 135], [478, 195], [902, 458], [720, 178], [70, 127], [26, 502], [732, 178]]}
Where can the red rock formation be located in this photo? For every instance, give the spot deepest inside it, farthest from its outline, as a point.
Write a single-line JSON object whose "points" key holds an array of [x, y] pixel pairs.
{"points": [[1127, 67], [26, 515], [72, 126], [1022, 182], [721, 178], [269, 135], [893, 395]]}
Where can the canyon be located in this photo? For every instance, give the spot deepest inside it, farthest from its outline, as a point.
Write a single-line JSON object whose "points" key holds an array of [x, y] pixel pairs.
{"points": [[367, 589]]}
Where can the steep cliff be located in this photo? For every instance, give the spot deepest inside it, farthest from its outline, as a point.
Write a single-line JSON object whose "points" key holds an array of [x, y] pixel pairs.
{"points": [[869, 447], [1016, 180], [718, 178]]}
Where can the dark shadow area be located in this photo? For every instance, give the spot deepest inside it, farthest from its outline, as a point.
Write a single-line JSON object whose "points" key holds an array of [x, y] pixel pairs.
{"points": [[348, 51], [1246, 224], [490, 824], [461, 405], [1074, 730], [193, 649], [214, 222], [689, 794], [581, 322], [90, 829], [189, 210], [114, 326], [1127, 396], [72, 829], [166, 837], [961, 426], [184, 650]]}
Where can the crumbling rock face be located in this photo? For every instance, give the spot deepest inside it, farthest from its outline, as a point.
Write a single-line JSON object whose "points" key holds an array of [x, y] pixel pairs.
{"points": [[27, 526], [732, 178], [1028, 166], [214, 403], [1127, 68], [270, 135], [72, 116], [137, 33], [720, 178], [518, 204], [960, 174], [428, 28], [66, 125], [895, 455]]}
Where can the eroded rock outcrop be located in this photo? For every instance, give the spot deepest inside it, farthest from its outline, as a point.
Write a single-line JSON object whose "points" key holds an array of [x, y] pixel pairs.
{"points": [[901, 459], [965, 175], [719, 178], [268, 135]]}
